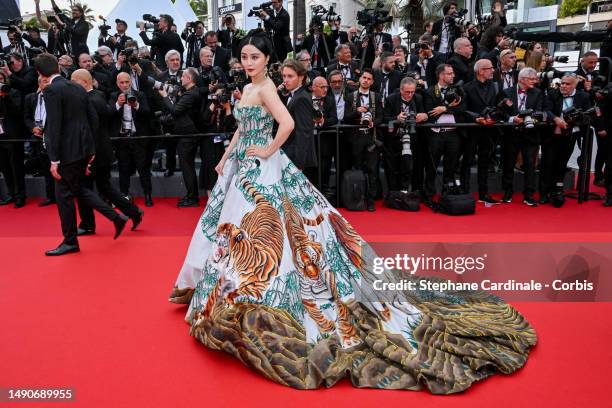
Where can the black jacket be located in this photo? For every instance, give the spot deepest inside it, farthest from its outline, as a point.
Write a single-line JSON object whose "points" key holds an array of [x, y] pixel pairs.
{"points": [[535, 101], [280, 25], [353, 69], [499, 77], [352, 117], [231, 46], [370, 55], [464, 69], [430, 69], [185, 111], [194, 45], [300, 146], [142, 116], [161, 44], [76, 31], [118, 45], [68, 136], [101, 128], [553, 103], [324, 54], [29, 110], [221, 59], [11, 112], [394, 79], [210, 122], [433, 98], [478, 96], [328, 106], [453, 31], [25, 81], [393, 107]]}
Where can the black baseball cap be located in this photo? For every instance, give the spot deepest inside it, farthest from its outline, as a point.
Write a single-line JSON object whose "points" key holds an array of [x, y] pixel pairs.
{"points": [[120, 21]]}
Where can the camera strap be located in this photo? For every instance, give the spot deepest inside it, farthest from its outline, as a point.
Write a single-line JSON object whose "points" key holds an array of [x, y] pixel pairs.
{"points": [[372, 100]]}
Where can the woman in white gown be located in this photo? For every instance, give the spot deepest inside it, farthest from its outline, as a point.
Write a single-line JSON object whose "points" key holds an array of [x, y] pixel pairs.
{"points": [[275, 276]]}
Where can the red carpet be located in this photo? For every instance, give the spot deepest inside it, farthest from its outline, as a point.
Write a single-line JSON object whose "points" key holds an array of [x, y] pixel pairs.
{"points": [[99, 321]]}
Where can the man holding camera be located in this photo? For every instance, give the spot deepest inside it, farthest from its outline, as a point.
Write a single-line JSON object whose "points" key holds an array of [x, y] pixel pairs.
{"points": [[221, 56], [21, 77], [318, 44], [102, 78], [558, 146], [426, 61], [506, 74], [444, 103], [400, 146], [228, 37], [76, 28], [279, 22], [131, 116], [526, 100], [118, 41], [346, 66], [193, 34], [480, 94], [163, 41], [364, 107], [445, 31], [387, 79], [381, 41], [324, 116]]}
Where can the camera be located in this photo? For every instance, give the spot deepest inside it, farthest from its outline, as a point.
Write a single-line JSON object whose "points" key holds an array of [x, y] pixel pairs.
{"points": [[320, 15], [172, 87], [150, 22], [130, 97], [215, 74], [453, 94], [499, 113], [548, 75], [130, 54], [164, 118], [564, 59], [225, 96], [576, 117], [104, 28], [519, 44], [317, 112], [370, 17], [256, 11], [4, 88], [366, 118], [531, 117], [458, 18]]}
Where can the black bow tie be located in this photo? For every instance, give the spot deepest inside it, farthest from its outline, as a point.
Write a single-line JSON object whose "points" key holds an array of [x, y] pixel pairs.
{"points": [[364, 94]]}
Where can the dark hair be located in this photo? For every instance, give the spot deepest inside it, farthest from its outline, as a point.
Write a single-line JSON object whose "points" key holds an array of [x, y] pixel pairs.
{"points": [[403, 48], [385, 55], [369, 71], [258, 39], [193, 73], [46, 65], [448, 6], [78, 7], [333, 73], [297, 66], [210, 34], [168, 19], [425, 25], [489, 37], [16, 55], [589, 54], [441, 68]]}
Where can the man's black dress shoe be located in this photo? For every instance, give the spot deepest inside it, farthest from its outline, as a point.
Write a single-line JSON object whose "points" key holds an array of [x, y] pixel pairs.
{"points": [[137, 219], [46, 202], [608, 201], [188, 202], [85, 231], [371, 207], [19, 202], [7, 200], [148, 200], [63, 249], [119, 222], [168, 173]]}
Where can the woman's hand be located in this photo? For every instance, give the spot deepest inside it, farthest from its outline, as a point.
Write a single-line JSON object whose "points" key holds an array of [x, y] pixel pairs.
{"points": [[219, 167], [258, 151]]}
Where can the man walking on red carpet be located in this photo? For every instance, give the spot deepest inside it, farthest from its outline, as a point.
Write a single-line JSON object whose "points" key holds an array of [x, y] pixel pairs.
{"points": [[70, 144]]}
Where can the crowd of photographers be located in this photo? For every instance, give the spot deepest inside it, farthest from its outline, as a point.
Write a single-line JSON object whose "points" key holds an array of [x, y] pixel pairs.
{"points": [[186, 83]]}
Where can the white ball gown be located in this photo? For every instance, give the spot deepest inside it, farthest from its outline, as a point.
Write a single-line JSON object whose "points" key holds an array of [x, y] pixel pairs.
{"points": [[279, 279]]}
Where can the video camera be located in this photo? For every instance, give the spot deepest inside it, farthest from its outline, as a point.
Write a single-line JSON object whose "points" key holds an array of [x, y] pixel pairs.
{"points": [[171, 87], [458, 18], [549, 75], [320, 15], [371, 17], [150, 22], [577, 117], [256, 11], [130, 54], [531, 117]]}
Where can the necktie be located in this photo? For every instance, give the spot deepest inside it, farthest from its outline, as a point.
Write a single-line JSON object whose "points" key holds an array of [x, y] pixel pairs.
{"points": [[568, 101], [383, 86]]}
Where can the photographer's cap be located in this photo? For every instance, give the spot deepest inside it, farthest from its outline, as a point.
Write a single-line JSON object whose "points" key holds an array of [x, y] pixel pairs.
{"points": [[120, 21]]}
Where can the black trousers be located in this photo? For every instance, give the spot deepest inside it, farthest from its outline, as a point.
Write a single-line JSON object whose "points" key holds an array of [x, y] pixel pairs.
{"points": [[608, 162], [328, 152], [516, 141], [171, 146], [365, 157], [602, 155], [135, 151], [443, 144], [72, 186], [398, 166], [210, 154], [481, 141], [13, 169], [101, 176], [556, 151], [420, 160], [43, 165]]}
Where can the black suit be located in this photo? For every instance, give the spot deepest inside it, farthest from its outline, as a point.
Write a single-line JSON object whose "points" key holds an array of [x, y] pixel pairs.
{"points": [[478, 95], [101, 168], [12, 154], [557, 147], [446, 142], [169, 144], [505, 79], [131, 150], [300, 146], [363, 156], [382, 40], [386, 84], [349, 71], [453, 33], [25, 81], [229, 42], [464, 69], [521, 139], [322, 54], [161, 44], [280, 37], [430, 67], [77, 32], [221, 58], [403, 169], [69, 140], [327, 147], [118, 45], [194, 45], [339, 37]]}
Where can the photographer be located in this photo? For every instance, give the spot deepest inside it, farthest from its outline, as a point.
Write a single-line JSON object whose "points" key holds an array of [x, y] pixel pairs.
{"points": [[492, 44], [221, 56], [586, 71], [445, 103], [338, 36], [480, 94], [16, 45], [193, 34], [229, 36], [116, 42], [363, 107], [387, 79], [185, 112], [35, 117], [318, 45], [139, 69], [164, 40], [426, 61], [102, 79], [400, 151], [557, 147], [300, 146], [66, 65], [324, 116], [33, 38], [337, 91], [12, 154], [506, 74], [76, 28], [381, 41], [131, 116], [445, 31], [209, 76], [279, 23], [461, 61], [526, 100], [346, 66], [22, 78]]}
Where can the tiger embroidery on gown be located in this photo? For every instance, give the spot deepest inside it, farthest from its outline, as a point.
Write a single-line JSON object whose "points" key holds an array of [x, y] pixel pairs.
{"points": [[317, 282], [250, 255]]}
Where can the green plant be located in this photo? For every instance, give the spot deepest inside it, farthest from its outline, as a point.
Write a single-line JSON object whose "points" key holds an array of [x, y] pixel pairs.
{"points": [[571, 8]]}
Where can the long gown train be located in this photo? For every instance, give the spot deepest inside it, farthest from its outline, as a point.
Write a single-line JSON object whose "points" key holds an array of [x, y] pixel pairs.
{"points": [[281, 282]]}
